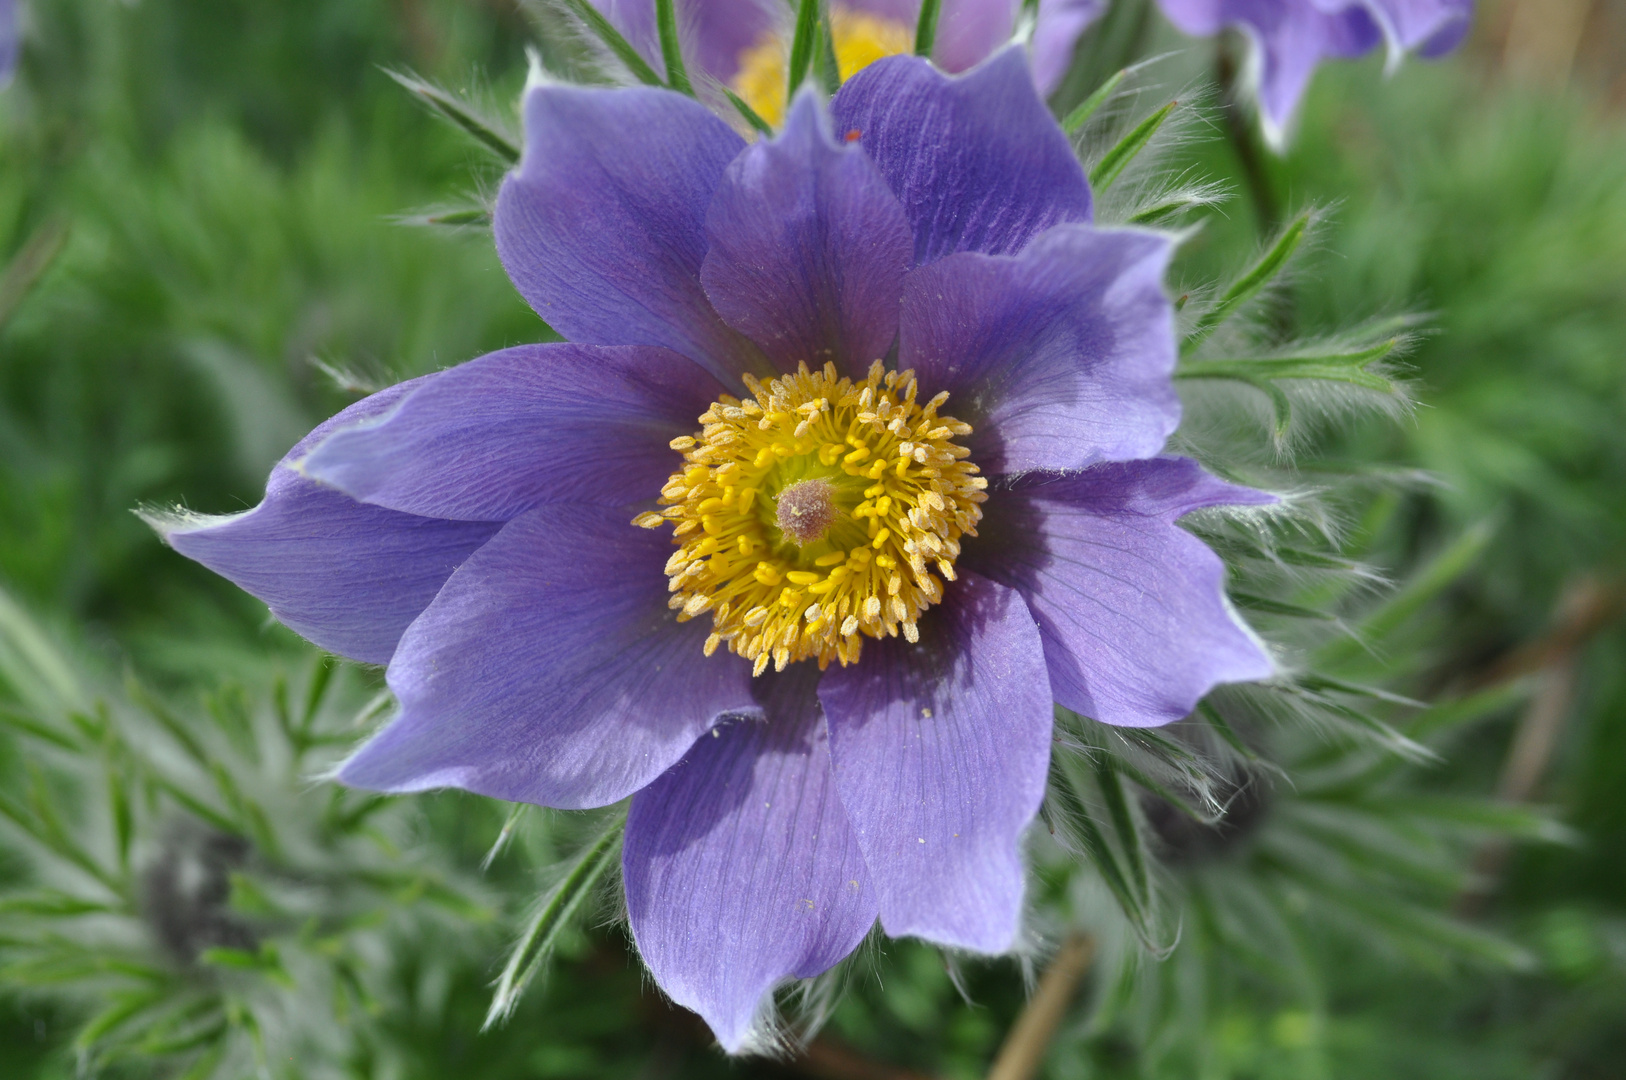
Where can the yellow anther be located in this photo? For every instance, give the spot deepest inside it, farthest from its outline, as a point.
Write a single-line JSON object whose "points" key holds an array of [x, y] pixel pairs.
{"points": [[649, 520], [786, 576]]}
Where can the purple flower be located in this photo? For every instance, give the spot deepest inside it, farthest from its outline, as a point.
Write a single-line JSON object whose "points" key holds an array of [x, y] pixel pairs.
{"points": [[922, 502], [742, 43], [1291, 37], [8, 41]]}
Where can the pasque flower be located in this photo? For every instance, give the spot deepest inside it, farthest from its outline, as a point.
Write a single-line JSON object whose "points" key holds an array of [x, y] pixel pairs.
{"points": [[1291, 37], [848, 472], [743, 43], [8, 40]]}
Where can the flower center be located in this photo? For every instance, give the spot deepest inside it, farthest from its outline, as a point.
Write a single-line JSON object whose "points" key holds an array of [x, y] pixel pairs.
{"points": [[859, 39], [812, 514]]}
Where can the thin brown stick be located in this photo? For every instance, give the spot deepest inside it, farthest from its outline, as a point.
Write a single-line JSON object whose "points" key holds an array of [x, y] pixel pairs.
{"points": [[1588, 606], [30, 263], [1030, 1036]]}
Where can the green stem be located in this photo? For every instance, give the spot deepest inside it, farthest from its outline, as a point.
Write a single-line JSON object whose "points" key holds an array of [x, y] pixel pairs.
{"points": [[1267, 207]]}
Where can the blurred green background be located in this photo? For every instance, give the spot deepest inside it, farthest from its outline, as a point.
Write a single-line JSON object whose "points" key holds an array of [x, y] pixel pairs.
{"points": [[198, 204]]}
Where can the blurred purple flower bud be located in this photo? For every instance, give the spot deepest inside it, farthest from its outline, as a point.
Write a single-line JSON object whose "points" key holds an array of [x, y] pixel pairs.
{"points": [[8, 41], [1291, 37]]}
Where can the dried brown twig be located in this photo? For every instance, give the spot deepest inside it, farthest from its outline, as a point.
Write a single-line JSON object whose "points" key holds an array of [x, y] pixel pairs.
{"points": [[1030, 1036]]}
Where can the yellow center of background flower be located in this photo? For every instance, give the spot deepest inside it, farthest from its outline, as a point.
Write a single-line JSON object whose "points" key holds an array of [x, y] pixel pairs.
{"points": [[859, 39], [812, 514]]}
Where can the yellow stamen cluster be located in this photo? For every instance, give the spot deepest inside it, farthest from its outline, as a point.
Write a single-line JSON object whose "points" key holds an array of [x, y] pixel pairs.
{"points": [[873, 495], [858, 37]]}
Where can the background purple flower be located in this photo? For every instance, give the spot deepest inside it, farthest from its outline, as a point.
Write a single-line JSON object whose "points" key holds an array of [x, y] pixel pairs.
{"points": [[718, 34], [1291, 37], [8, 40], [472, 527]]}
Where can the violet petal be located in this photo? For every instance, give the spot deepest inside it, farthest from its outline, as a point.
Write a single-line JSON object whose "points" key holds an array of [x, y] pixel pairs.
{"points": [[1291, 37], [1432, 27], [941, 751], [977, 161], [741, 869], [808, 248], [346, 576], [602, 226], [549, 670], [494, 437], [1132, 607], [1058, 357]]}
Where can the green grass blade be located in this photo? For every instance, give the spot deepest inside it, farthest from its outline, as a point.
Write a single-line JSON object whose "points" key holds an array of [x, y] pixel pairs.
{"points": [[474, 217], [1087, 108], [1117, 159], [1162, 212], [506, 834], [461, 115], [124, 1008], [801, 48], [1349, 368], [677, 75], [926, 28], [54, 905], [1222, 727], [559, 906], [1467, 710], [38, 252], [605, 31], [1246, 287], [1065, 786], [748, 114], [1123, 821], [1400, 608], [1266, 606], [829, 68]]}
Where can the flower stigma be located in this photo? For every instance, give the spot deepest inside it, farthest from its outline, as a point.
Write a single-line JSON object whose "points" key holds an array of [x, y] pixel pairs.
{"points": [[859, 39], [813, 514]]}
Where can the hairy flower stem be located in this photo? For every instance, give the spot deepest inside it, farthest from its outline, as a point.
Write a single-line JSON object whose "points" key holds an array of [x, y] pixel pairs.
{"points": [[1250, 154]]}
